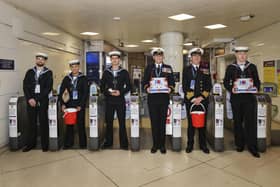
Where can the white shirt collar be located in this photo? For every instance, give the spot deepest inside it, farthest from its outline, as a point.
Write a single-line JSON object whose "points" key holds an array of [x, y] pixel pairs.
{"points": [[158, 65], [241, 63], [195, 66]]}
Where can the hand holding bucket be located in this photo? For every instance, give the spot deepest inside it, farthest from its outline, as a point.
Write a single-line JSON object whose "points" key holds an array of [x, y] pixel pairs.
{"points": [[70, 116], [198, 117]]}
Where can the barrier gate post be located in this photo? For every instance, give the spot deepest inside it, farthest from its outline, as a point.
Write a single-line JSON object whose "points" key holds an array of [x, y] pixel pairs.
{"points": [[215, 119], [263, 126], [135, 123], [218, 144], [176, 123], [53, 124], [93, 119], [14, 135]]}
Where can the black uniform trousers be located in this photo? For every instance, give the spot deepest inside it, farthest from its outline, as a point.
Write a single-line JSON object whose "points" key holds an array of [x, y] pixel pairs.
{"points": [[69, 134], [109, 117], [191, 129], [244, 111], [33, 113], [158, 115]]}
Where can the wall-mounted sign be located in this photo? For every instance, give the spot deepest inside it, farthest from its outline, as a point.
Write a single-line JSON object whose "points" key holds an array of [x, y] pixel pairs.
{"points": [[6, 64], [278, 75], [269, 71], [92, 66]]}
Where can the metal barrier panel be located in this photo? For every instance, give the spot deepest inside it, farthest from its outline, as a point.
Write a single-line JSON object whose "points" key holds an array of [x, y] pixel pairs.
{"points": [[215, 123], [135, 122], [55, 134], [263, 119], [93, 123], [177, 123]]}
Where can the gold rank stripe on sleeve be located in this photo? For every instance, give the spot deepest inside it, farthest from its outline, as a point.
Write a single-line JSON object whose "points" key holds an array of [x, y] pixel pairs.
{"points": [[189, 95], [205, 94]]}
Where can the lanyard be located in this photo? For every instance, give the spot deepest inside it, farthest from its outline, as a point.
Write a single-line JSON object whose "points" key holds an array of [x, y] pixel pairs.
{"points": [[36, 76], [74, 82]]}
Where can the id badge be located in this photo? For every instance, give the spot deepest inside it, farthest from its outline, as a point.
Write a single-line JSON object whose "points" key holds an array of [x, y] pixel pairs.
{"points": [[37, 88], [75, 95], [192, 85]]}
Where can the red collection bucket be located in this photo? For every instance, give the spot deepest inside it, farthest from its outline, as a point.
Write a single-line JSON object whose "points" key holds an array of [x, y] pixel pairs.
{"points": [[198, 117], [70, 116]]}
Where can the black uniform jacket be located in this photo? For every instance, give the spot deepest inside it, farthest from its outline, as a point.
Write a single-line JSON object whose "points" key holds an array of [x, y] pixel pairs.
{"points": [[150, 72], [202, 84], [120, 81], [80, 85], [233, 72], [45, 80]]}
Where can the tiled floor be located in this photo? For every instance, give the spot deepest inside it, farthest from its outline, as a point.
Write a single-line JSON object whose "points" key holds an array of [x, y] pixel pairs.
{"points": [[125, 168]]}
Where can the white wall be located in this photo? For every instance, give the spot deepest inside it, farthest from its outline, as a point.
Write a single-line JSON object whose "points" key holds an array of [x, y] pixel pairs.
{"points": [[269, 51], [16, 26]]}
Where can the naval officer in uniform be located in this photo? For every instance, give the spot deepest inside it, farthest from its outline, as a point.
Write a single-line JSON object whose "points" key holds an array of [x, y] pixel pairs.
{"points": [[115, 83], [74, 94], [243, 104], [37, 85], [158, 101], [196, 86]]}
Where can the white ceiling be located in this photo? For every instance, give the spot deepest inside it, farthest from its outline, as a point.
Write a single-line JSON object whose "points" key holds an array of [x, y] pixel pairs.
{"points": [[146, 19]]}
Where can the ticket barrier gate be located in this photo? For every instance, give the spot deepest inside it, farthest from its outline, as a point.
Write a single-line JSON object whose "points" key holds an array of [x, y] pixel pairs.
{"points": [[93, 143], [134, 123], [55, 124], [177, 103], [96, 118], [263, 117], [215, 123], [17, 121]]}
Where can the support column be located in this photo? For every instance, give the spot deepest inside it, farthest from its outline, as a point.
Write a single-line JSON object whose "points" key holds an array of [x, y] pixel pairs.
{"points": [[172, 43]]}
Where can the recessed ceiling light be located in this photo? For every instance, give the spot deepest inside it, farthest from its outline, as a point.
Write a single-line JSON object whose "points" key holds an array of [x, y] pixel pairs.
{"points": [[247, 17], [51, 33], [181, 17], [188, 44], [131, 45], [185, 51], [89, 33], [116, 18], [260, 44], [147, 41], [215, 26]]}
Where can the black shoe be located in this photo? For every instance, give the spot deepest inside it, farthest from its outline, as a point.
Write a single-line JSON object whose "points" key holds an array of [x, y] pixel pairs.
{"points": [[27, 148], [189, 149], [205, 150], [163, 150], [66, 147], [255, 153], [45, 150], [124, 147], [106, 146], [153, 150], [240, 149]]}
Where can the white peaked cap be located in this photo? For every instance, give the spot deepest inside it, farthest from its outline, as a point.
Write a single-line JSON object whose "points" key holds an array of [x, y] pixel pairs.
{"points": [[157, 50], [196, 50], [44, 55], [241, 49], [115, 53], [76, 61]]}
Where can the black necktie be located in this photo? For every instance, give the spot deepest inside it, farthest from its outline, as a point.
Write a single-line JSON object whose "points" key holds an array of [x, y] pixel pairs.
{"points": [[158, 69], [195, 71]]}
